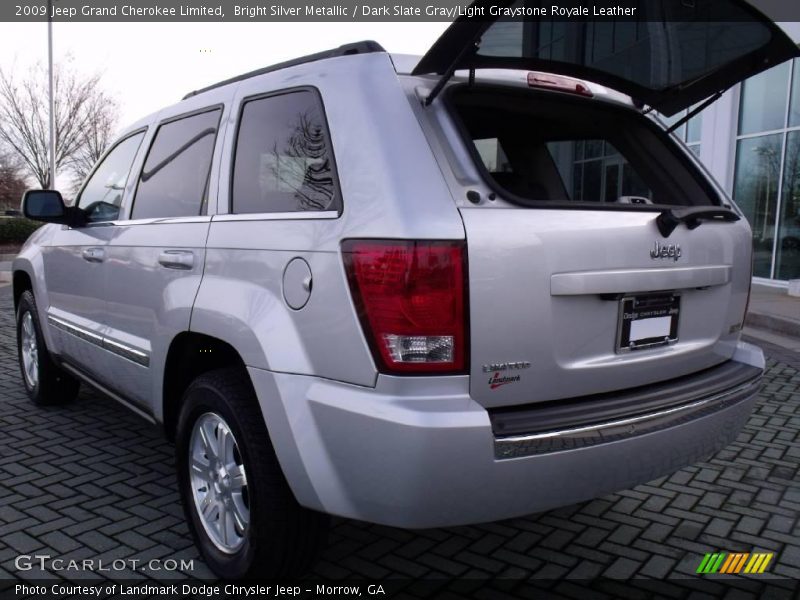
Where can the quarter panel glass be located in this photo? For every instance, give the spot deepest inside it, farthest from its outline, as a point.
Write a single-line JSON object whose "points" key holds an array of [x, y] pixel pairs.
{"points": [[283, 159]]}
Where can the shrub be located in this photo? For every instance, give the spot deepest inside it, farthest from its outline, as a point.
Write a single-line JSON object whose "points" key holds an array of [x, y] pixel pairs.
{"points": [[15, 230]]}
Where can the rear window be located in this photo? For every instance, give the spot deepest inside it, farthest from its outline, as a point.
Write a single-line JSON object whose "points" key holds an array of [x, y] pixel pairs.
{"points": [[539, 149]]}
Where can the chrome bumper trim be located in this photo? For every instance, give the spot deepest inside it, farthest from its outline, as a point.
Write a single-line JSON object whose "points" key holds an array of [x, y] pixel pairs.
{"points": [[610, 431]]}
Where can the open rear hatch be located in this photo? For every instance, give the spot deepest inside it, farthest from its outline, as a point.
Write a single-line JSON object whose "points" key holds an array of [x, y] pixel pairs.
{"points": [[603, 259], [669, 54]]}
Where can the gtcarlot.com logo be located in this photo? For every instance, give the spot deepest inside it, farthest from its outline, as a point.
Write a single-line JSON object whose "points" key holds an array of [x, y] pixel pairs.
{"points": [[731, 563], [46, 562]]}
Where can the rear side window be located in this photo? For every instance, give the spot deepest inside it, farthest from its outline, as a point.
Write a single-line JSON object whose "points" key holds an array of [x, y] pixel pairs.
{"points": [[174, 180], [283, 160]]}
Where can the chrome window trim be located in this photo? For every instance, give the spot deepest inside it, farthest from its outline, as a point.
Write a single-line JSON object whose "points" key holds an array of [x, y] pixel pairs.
{"points": [[519, 446], [127, 352], [163, 221], [277, 216]]}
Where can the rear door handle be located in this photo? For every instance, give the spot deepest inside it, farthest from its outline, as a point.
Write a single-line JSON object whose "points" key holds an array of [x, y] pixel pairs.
{"points": [[176, 259], [95, 255]]}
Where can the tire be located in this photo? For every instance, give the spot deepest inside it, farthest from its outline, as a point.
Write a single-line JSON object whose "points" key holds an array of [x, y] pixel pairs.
{"points": [[44, 381], [280, 538]]}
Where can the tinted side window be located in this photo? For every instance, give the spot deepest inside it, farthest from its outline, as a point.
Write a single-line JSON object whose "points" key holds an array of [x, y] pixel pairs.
{"points": [[174, 180], [101, 197], [283, 159]]}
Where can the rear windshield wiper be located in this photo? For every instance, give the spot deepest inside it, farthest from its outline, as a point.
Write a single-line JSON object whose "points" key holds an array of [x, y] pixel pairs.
{"points": [[668, 220]]}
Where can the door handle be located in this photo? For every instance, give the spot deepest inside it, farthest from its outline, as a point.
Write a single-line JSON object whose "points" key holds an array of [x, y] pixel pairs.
{"points": [[176, 259], [95, 255]]}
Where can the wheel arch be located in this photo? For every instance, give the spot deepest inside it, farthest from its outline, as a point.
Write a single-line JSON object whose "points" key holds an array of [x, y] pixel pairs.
{"points": [[21, 282], [191, 354]]}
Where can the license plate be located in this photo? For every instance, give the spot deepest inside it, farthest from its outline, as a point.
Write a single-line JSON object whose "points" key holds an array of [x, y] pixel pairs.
{"points": [[648, 320]]}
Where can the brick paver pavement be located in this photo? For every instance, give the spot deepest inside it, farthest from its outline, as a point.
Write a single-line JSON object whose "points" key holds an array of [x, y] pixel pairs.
{"points": [[91, 480]]}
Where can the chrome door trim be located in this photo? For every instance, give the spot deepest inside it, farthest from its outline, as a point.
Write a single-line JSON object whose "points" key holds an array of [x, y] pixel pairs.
{"points": [[132, 354], [125, 351], [79, 332]]}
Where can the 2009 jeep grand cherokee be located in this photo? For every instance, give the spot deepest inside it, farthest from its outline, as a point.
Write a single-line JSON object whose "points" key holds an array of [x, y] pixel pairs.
{"points": [[414, 292]]}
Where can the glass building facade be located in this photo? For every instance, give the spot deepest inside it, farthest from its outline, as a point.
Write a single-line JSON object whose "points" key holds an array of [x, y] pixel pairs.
{"points": [[766, 178]]}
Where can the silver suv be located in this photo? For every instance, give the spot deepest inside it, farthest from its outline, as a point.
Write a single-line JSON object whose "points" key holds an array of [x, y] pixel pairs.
{"points": [[416, 292]]}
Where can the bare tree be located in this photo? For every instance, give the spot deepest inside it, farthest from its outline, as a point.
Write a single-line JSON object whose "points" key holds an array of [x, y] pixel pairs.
{"points": [[12, 182], [85, 116], [97, 137]]}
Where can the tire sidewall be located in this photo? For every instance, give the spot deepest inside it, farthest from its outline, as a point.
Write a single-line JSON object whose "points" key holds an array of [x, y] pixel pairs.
{"points": [[198, 401]]}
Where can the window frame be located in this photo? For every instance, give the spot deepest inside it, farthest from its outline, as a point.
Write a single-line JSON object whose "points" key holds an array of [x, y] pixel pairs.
{"points": [[220, 106], [141, 130], [336, 213]]}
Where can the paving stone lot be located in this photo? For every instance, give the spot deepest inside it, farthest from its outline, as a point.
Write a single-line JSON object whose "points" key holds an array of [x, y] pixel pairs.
{"points": [[91, 480]]}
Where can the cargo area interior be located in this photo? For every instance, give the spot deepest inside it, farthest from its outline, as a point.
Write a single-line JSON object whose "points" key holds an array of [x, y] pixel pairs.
{"points": [[537, 148]]}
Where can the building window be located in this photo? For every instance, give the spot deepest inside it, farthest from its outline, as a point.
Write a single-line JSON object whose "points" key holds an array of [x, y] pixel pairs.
{"points": [[689, 132], [756, 191], [763, 101], [767, 172], [787, 260]]}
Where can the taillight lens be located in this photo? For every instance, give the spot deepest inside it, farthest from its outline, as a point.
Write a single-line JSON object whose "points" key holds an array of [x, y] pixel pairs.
{"points": [[411, 299]]}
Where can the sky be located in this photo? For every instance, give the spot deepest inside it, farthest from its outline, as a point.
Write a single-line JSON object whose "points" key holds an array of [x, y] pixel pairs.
{"points": [[147, 66]]}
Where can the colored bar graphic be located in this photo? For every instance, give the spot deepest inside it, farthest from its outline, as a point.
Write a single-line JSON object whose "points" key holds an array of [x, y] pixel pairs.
{"points": [[733, 563]]}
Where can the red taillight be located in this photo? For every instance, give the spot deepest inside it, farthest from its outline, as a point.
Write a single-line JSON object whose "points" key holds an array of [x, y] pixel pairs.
{"points": [[410, 296]]}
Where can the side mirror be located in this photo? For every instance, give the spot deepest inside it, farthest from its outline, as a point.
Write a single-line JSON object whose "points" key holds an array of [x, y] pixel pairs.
{"points": [[48, 206]]}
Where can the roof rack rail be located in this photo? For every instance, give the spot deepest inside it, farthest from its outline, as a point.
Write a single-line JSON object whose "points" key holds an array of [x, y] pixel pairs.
{"points": [[364, 47]]}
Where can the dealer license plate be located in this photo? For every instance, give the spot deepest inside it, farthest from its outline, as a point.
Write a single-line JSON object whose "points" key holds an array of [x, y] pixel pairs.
{"points": [[647, 320]]}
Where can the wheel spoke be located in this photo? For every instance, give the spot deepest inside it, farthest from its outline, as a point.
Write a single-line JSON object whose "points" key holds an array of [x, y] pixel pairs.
{"points": [[211, 509], [200, 466], [230, 526], [238, 477], [224, 444], [224, 520], [209, 440]]}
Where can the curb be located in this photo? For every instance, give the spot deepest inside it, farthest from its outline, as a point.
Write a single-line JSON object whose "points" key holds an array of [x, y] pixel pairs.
{"points": [[780, 325]]}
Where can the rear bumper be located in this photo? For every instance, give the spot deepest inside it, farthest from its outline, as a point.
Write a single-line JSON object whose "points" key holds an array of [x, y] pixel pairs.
{"points": [[421, 453]]}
